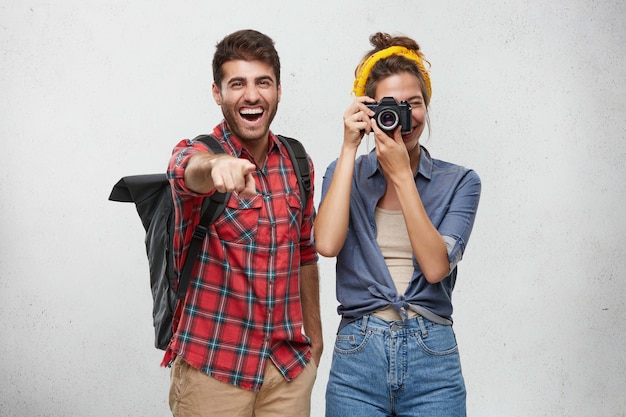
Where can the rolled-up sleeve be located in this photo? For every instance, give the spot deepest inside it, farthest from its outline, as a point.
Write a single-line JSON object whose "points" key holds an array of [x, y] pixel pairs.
{"points": [[181, 154], [458, 222]]}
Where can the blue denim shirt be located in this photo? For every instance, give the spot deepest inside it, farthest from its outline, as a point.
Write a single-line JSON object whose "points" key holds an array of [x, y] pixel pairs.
{"points": [[450, 194]]}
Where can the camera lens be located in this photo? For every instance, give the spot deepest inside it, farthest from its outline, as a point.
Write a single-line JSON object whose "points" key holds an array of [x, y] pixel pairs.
{"points": [[387, 119]]}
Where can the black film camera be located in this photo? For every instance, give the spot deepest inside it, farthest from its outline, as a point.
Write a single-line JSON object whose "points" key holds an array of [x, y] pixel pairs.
{"points": [[388, 114]]}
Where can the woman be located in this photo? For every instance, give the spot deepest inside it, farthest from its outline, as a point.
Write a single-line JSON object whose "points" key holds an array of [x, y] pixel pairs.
{"points": [[398, 222]]}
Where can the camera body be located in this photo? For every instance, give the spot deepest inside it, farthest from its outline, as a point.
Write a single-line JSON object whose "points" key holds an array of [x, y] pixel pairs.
{"points": [[388, 114]]}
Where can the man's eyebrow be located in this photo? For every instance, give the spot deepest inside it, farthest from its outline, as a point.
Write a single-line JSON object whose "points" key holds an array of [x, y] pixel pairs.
{"points": [[236, 79], [257, 79], [264, 77]]}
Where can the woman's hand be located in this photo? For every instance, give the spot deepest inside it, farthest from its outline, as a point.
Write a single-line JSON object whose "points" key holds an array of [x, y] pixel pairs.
{"points": [[356, 121], [392, 153], [331, 222]]}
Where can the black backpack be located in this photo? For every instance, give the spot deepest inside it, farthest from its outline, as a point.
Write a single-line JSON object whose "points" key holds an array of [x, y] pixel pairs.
{"points": [[152, 196]]}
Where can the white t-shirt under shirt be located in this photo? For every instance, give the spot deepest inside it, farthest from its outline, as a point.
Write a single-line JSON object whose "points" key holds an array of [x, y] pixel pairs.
{"points": [[393, 239]]}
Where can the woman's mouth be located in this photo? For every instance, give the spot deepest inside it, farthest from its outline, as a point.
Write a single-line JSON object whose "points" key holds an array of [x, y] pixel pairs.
{"points": [[407, 136]]}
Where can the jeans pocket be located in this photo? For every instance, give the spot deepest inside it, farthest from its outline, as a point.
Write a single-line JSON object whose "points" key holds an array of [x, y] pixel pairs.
{"points": [[351, 340], [439, 340]]}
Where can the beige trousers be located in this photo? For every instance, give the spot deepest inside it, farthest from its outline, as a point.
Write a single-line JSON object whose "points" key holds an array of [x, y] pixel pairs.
{"points": [[195, 394]]}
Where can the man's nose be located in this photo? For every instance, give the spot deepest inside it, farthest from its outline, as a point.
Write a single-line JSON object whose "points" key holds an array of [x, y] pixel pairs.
{"points": [[251, 93]]}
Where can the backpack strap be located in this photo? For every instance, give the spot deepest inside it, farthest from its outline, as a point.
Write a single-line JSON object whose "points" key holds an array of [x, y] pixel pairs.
{"points": [[212, 207], [300, 162]]}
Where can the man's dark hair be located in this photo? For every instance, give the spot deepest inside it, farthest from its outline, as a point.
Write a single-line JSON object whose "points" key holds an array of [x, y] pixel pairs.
{"points": [[247, 45]]}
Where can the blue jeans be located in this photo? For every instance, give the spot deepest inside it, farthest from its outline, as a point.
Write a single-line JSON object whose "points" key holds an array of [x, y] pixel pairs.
{"points": [[395, 369]]}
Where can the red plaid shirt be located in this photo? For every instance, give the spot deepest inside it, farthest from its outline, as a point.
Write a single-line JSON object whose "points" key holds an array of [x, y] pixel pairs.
{"points": [[243, 305]]}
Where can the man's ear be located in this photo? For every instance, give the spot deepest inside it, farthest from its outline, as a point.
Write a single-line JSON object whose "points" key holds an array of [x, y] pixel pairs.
{"points": [[217, 95], [280, 90]]}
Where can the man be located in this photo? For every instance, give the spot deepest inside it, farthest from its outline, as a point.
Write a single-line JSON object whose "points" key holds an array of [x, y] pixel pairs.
{"points": [[238, 348]]}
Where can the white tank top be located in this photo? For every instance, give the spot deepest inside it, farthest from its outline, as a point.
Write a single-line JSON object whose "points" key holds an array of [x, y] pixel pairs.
{"points": [[394, 243]]}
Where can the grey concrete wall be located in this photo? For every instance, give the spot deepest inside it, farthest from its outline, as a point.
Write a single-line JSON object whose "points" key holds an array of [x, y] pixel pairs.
{"points": [[529, 93]]}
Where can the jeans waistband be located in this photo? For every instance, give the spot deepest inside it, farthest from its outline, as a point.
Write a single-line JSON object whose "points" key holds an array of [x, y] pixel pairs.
{"points": [[377, 324]]}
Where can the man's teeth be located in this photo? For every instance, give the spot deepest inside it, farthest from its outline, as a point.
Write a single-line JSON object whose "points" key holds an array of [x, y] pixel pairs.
{"points": [[251, 111]]}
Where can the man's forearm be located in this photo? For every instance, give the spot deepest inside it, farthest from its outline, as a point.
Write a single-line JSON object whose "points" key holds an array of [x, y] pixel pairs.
{"points": [[310, 300]]}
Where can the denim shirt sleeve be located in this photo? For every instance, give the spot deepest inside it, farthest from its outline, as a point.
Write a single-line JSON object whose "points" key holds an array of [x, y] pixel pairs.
{"points": [[457, 224], [328, 176]]}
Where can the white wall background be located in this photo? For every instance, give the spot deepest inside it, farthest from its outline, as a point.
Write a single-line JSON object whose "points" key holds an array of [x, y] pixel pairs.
{"points": [[529, 93]]}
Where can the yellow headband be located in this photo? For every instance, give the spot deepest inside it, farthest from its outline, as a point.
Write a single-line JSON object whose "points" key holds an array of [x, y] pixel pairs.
{"points": [[366, 67]]}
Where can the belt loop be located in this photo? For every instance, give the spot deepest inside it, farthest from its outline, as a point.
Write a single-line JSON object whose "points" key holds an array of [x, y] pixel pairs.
{"points": [[364, 324], [420, 321]]}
